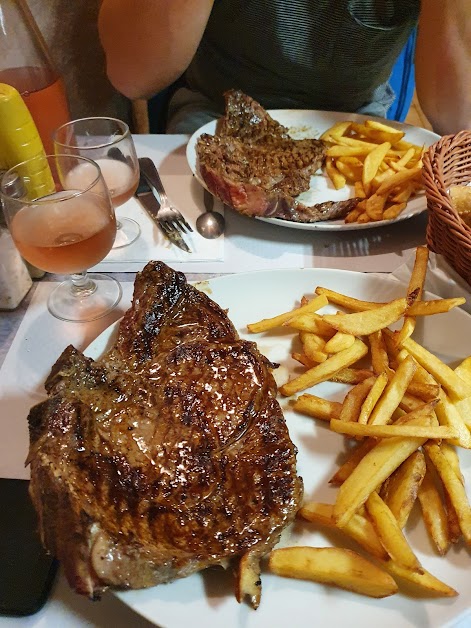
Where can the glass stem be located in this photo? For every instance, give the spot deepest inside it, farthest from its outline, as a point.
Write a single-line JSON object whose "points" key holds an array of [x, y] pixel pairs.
{"points": [[82, 285]]}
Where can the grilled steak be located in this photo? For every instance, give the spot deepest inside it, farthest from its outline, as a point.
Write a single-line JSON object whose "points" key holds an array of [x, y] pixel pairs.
{"points": [[247, 120], [254, 166], [167, 455]]}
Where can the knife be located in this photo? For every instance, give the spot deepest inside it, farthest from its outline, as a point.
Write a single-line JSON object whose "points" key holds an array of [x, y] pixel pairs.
{"points": [[146, 196]]}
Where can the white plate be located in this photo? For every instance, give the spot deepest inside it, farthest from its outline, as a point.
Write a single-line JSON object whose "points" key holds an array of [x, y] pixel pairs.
{"points": [[206, 600], [311, 124]]}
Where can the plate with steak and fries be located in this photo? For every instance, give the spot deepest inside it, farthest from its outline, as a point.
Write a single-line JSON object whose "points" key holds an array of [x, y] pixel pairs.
{"points": [[376, 400], [312, 170]]}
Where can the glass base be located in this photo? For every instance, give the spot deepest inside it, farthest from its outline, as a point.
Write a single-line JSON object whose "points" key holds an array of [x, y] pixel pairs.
{"points": [[101, 295], [127, 232]]}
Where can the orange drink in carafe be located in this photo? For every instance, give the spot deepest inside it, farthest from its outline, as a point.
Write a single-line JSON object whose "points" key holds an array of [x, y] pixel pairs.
{"points": [[25, 64]]}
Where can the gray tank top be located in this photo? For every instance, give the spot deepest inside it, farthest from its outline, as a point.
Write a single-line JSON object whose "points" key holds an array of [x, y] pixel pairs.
{"points": [[310, 54]]}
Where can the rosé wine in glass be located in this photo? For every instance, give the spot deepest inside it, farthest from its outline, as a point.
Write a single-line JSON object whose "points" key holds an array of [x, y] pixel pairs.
{"points": [[108, 142], [63, 237], [64, 229], [119, 177]]}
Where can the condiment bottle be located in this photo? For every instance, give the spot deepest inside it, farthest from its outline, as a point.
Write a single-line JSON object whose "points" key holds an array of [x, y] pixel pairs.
{"points": [[20, 141], [25, 63], [15, 279]]}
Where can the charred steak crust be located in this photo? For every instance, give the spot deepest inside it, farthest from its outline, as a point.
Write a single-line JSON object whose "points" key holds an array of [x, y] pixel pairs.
{"points": [[167, 455], [254, 166]]}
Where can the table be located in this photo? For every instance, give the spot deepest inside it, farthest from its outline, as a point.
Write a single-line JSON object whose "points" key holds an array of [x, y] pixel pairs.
{"points": [[371, 250]]}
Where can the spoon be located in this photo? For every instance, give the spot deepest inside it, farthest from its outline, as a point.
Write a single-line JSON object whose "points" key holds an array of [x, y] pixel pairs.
{"points": [[210, 224]]}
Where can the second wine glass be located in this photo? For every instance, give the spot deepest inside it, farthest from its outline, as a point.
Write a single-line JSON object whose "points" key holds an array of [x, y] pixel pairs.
{"points": [[108, 142]]}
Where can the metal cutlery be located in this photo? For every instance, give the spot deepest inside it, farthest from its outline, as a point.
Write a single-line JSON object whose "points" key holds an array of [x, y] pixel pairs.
{"points": [[210, 224], [152, 206], [170, 220]]}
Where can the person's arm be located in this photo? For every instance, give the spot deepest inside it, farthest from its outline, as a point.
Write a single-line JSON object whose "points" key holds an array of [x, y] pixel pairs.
{"points": [[149, 43], [443, 64]]}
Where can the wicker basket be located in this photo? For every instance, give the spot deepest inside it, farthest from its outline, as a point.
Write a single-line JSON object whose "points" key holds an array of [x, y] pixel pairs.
{"points": [[448, 163]]}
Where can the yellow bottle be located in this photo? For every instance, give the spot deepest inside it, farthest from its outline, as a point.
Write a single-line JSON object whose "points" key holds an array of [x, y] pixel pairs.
{"points": [[19, 141]]}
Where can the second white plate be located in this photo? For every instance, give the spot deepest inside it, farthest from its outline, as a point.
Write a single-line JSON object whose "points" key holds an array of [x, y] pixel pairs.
{"points": [[311, 124]]}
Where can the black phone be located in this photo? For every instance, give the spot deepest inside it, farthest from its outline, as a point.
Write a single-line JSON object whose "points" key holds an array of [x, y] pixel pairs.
{"points": [[26, 570]]}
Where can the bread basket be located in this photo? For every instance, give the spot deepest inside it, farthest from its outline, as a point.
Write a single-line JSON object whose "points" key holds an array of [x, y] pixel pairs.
{"points": [[448, 163]]}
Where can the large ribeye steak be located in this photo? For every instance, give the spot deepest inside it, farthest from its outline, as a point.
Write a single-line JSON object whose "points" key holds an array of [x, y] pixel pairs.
{"points": [[168, 454], [253, 165]]}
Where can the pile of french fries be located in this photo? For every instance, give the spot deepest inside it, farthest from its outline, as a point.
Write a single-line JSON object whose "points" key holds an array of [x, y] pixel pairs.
{"points": [[406, 412], [384, 169]]}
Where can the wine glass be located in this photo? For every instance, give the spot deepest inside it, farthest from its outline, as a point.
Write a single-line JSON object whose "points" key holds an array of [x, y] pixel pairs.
{"points": [[108, 142], [64, 226]]}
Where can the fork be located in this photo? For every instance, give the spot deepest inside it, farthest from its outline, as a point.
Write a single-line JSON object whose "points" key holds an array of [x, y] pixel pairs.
{"points": [[171, 221]]}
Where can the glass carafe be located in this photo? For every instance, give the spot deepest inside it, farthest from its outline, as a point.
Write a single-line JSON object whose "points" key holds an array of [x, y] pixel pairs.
{"points": [[25, 63]]}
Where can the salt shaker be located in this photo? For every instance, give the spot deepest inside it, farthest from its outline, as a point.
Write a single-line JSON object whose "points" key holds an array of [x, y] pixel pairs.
{"points": [[15, 280]]}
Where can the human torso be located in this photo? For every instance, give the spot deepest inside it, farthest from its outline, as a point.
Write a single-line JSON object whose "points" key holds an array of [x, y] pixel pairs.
{"points": [[323, 54]]}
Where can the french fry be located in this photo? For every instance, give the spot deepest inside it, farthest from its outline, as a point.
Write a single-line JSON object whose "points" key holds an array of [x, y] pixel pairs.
{"points": [[418, 308], [427, 582], [317, 407], [334, 566], [434, 514], [374, 206], [359, 189], [314, 346], [463, 371], [248, 583], [390, 534], [451, 455], [363, 218], [385, 128], [351, 375], [373, 161], [348, 151], [365, 323], [404, 160], [393, 393], [425, 392], [269, 323], [416, 287], [353, 428], [372, 398], [338, 179], [400, 490], [325, 370], [452, 519], [379, 355], [454, 488], [337, 130]]}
